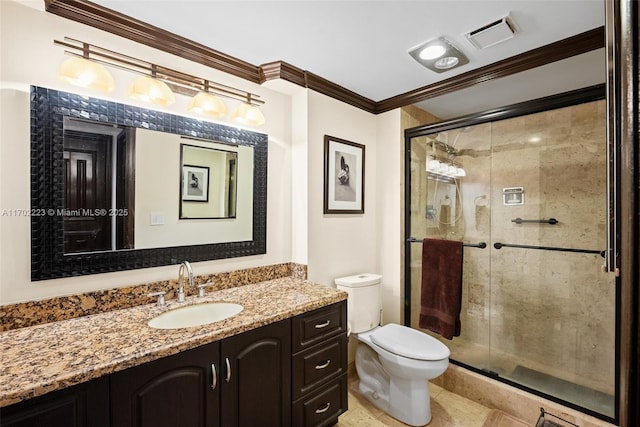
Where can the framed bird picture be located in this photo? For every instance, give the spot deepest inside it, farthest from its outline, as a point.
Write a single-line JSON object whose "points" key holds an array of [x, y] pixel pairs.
{"points": [[343, 176]]}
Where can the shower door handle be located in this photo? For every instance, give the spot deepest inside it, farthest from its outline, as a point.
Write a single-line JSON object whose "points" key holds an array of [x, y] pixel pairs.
{"points": [[551, 221]]}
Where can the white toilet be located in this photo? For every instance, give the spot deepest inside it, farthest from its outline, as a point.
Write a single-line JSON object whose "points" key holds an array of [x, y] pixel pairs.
{"points": [[394, 362]]}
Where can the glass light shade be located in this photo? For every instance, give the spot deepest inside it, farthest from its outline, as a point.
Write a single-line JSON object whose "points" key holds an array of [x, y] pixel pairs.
{"points": [[247, 114], [206, 103], [148, 89], [461, 172], [86, 73]]}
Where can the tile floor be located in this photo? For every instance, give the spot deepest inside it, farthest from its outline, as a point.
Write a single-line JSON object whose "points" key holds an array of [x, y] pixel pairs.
{"points": [[447, 409]]}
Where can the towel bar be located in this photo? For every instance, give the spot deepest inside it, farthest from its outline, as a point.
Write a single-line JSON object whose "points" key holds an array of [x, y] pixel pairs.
{"points": [[499, 245], [480, 245]]}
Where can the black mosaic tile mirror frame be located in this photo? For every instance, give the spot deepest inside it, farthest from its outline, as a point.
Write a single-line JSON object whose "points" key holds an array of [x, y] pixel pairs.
{"points": [[48, 261]]}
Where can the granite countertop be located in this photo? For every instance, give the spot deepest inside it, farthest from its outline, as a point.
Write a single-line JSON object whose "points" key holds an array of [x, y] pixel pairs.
{"points": [[39, 359]]}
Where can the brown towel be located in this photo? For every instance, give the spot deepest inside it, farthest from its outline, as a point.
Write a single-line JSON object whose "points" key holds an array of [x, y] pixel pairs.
{"points": [[441, 297]]}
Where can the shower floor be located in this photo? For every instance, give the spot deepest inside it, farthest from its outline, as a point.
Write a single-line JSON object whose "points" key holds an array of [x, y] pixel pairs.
{"points": [[541, 378], [582, 396]]}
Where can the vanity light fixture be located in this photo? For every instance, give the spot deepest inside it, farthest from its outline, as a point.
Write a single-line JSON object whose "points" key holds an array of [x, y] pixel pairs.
{"points": [[158, 84], [248, 114], [438, 55], [444, 168], [207, 103], [83, 72], [150, 89]]}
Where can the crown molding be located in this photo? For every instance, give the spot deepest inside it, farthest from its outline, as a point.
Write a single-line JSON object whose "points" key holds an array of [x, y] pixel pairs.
{"points": [[326, 87], [135, 30], [563, 49], [96, 16], [284, 71]]}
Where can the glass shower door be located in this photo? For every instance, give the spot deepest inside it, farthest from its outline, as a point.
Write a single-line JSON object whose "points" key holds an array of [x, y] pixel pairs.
{"points": [[440, 209], [553, 322], [538, 308]]}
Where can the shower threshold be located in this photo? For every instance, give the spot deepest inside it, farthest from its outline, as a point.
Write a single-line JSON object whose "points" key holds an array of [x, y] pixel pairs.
{"points": [[581, 398], [578, 394]]}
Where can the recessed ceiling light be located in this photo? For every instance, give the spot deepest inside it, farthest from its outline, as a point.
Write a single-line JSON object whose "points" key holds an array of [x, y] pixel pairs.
{"points": [[438, 55], [446, 62], [433, 51]]}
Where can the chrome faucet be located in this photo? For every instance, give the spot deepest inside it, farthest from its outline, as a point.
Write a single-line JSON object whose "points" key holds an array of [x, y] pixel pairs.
{"points": [[185, 264]]}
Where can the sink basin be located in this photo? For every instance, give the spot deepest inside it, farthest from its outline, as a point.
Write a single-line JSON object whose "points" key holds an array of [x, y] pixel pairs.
{"points": [[195, 315]]}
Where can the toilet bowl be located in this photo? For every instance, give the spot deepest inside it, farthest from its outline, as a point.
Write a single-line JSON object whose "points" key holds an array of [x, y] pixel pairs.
{"points": [[394, 362]]}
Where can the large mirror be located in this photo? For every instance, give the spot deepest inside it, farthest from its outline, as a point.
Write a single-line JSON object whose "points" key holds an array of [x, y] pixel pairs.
{"points": [[121, 187]]}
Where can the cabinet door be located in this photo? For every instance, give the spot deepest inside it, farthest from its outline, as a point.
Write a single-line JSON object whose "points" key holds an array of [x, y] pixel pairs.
{"points": [[86, 404], [174, 391], [256, 386]]}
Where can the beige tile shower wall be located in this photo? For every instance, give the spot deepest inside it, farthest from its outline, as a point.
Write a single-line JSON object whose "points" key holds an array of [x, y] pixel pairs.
{"points": [[553, 311], [549, 311], [474, 145]]}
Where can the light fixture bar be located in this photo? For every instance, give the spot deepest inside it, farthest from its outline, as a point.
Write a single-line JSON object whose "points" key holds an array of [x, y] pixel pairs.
{"points": [[183, 83]]}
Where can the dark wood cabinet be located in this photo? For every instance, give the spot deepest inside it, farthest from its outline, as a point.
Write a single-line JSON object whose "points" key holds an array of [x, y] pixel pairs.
{"points": [[83, 405], [241, 381], [319, 374], [179, 390], [256, 385]]}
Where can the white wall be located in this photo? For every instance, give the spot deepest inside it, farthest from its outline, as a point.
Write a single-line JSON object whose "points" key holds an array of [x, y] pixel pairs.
{"points": [[340, 244], [389, 219], [297, 120], [29, 57], [299, 161]]}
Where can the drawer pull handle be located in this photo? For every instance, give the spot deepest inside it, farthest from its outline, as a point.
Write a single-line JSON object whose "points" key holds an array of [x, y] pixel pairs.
{"points": [[226, 359], [325, 408], [214, 381], [323, 325], [324, 365]]}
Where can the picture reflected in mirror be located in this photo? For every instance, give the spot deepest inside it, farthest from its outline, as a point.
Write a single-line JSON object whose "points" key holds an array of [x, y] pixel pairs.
{"points": [[208, 187]]}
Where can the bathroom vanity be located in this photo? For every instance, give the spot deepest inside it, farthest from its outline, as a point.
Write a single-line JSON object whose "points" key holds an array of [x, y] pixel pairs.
{"points": [[282, 361]]}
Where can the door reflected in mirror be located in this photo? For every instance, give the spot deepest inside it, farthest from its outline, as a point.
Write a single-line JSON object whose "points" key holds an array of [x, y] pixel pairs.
{"points": [[99, 162]]}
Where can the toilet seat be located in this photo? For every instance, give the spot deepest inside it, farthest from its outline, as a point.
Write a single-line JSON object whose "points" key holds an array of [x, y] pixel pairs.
{"points": [[407, 342]]}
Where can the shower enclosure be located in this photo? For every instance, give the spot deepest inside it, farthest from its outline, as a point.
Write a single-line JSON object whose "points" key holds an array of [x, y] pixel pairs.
{"points": [[525, 188]]}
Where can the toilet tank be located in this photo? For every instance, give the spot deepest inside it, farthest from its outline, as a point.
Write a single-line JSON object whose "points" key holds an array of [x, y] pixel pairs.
{"points": [[363, 302]]}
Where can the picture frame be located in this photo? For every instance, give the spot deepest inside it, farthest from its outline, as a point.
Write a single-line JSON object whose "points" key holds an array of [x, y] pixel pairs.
{"points": [[343, 176], [195, 183]]}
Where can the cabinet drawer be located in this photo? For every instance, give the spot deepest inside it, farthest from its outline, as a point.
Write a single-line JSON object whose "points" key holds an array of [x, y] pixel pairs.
{"points": [[323, 407], [319, 364], [318, 325]]}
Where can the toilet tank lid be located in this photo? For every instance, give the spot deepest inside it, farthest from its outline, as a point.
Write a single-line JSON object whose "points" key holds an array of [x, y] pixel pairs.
{"points": [[410, 343], [357, 280]]}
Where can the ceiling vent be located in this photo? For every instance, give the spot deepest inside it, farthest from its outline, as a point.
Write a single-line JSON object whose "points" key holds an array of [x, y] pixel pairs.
{"points": [[492, 34]]}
